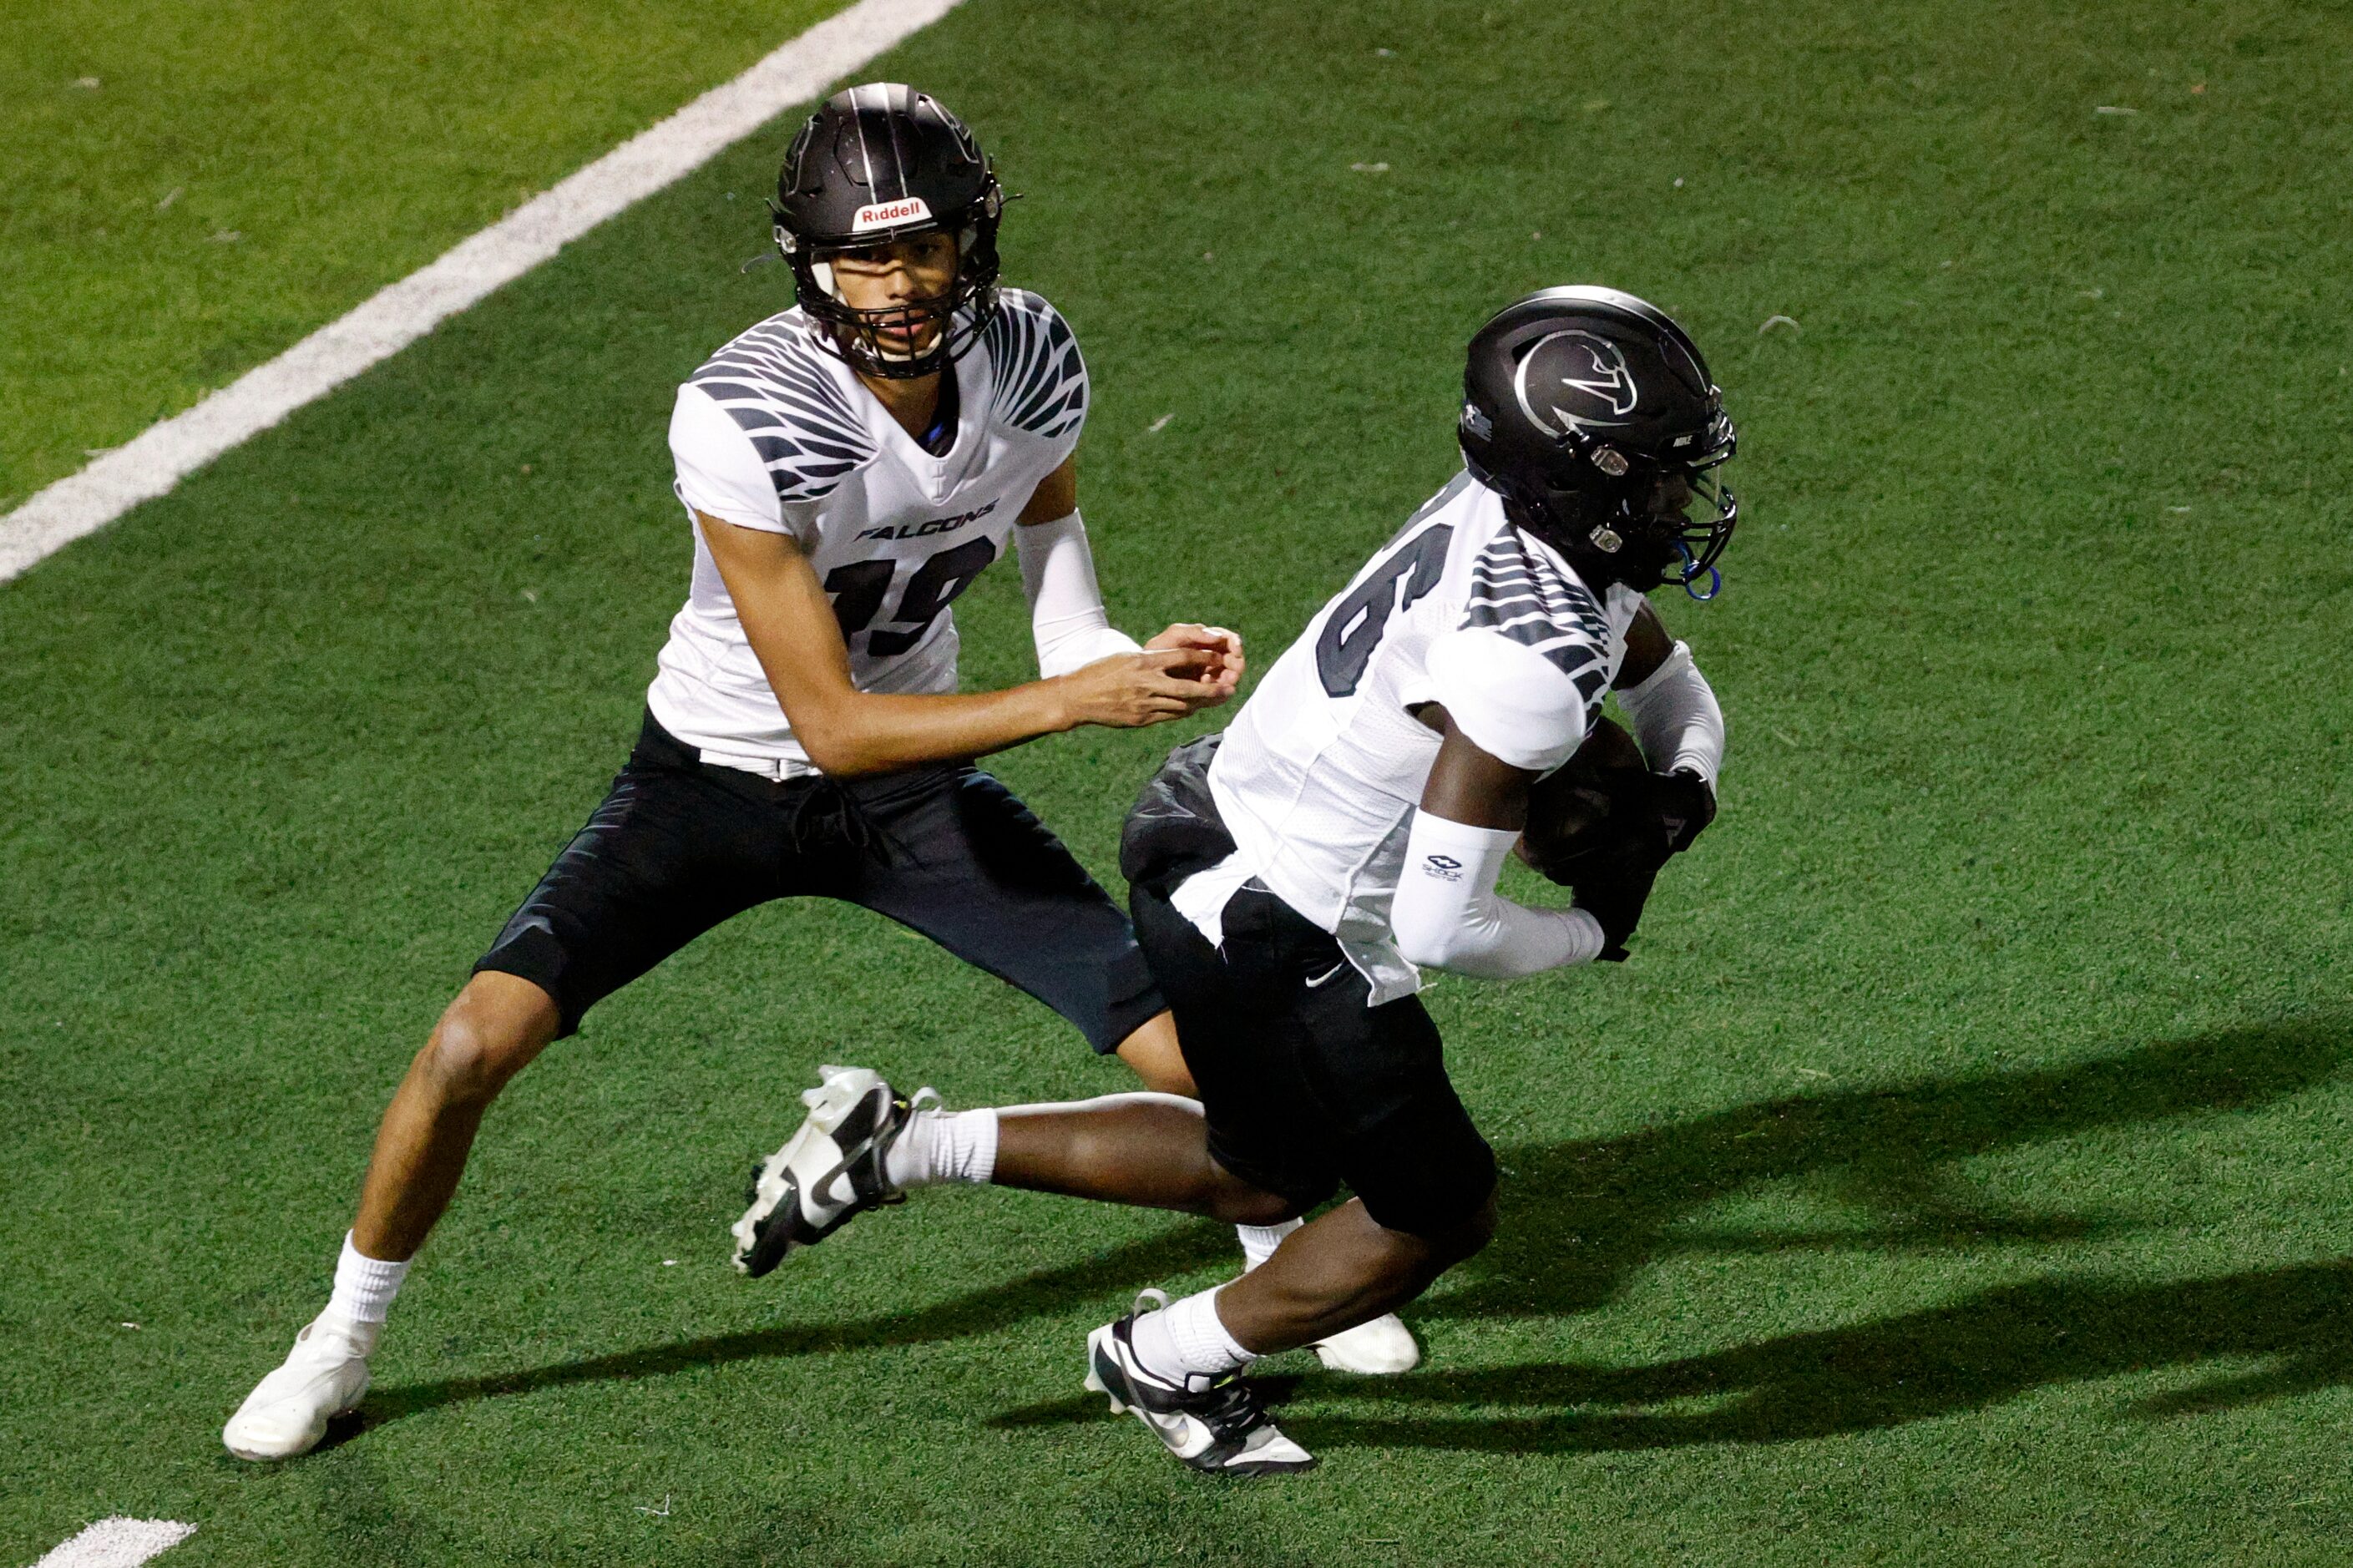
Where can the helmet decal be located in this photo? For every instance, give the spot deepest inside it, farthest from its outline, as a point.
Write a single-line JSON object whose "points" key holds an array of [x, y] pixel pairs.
{"points": [[1574, 380], [887, 215]]}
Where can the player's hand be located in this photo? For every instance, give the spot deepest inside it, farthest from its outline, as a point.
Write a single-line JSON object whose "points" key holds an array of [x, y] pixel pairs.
{"points": [[1226, 675], [1129, 691], [1614, 894], [1685, 806]]}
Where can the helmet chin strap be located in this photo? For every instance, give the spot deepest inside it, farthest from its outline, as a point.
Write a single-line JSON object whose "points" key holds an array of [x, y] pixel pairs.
{"points": [[1691, 575], [1606, 541]]}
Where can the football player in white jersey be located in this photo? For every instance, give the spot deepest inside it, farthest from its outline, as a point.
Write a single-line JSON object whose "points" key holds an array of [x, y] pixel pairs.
{"points": [[847, 467], [1289, 878]]}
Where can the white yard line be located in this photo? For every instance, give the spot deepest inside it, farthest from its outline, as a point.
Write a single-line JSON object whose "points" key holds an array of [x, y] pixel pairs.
{"points": [[164, 454], [118, 1543]]}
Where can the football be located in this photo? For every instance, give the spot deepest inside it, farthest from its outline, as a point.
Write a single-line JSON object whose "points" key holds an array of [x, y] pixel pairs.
{"points": [[1570, 808]]}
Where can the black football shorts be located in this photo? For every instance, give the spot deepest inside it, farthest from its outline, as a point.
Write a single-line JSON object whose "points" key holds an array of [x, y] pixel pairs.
{"points": [[680, 845], [1304, 1085]]}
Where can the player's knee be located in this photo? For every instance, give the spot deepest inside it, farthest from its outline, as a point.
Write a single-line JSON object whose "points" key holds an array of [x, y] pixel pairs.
{"points": [[475, 1048], [1440, 1240]]}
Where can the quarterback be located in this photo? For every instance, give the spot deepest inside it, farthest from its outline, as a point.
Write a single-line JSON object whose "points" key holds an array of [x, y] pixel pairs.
{"points": [[847, 469], [1288, 878]]}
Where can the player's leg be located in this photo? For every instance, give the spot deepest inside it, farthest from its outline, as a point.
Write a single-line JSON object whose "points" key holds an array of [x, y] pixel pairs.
{"points": [[1299, 1077], [960, 859], [1374, 1081], [863, 1144], [498, 1024], [1153, 1054], [969, 867], [1342, 1269], [666, 856], [1148, 1151]]}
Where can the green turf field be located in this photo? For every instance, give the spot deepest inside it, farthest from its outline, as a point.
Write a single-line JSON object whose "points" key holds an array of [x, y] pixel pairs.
{"points": [[192, 186], [1959, 1175]]}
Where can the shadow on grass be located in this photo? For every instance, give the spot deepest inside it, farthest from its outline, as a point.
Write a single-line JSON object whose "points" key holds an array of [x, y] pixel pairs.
{"points": [[1187, 1247], [1916, 1366], [1582, 1217]]}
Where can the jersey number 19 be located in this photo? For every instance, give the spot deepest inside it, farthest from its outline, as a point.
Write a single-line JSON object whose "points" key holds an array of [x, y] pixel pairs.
{"points": [[859, 588]]}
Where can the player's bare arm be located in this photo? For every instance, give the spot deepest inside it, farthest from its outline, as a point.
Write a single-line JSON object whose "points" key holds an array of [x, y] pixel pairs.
{"points": [[789, 620], [1446, 913], [1468, 785], [1647, 644]]}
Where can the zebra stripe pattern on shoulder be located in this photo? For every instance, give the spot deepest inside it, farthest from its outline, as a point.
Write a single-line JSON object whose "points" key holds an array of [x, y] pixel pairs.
{"points": [[773, 383], [1519, 594], [1041, 382]]}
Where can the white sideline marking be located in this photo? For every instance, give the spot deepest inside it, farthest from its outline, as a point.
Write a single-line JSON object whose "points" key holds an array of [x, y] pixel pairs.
{"points": [[118, 1543], [165, 453]]}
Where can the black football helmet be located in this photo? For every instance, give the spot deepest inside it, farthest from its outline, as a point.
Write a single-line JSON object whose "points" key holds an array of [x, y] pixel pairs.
{"points": [[875, 164], [1593, 413]]}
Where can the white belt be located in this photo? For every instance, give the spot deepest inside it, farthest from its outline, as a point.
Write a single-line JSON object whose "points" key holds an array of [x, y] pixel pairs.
{"points": [[779, 769]]}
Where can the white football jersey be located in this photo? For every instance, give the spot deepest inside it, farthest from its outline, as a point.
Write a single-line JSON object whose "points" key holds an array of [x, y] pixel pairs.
{"points": [[1320, 773], [776, 433]]}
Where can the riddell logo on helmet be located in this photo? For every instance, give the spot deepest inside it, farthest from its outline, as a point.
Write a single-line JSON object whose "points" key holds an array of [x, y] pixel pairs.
{"points": [[888, 214]]}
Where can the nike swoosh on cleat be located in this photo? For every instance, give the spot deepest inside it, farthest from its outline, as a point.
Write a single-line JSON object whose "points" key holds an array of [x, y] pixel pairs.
{"points": [[1327, 976]]}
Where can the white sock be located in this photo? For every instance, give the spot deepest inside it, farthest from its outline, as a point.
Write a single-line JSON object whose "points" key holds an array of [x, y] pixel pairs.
{"points": [[365, 1286], [1258, 1241], [961, 1145], [942, 1146], [1187, 1337]]}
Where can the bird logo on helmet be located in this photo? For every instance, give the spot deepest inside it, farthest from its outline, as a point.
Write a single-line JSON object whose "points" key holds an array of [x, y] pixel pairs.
{"points": [[1591, 412], [1578, 368], [874, 165]]}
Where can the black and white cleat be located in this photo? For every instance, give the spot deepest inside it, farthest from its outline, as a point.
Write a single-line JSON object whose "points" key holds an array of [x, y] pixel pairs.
{"points": [[827, 1172], [1217, 1426]]}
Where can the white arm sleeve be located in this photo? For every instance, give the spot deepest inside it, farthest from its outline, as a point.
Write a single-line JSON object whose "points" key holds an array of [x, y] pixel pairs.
{"points": [[1066, 607], [1447, 916], [1676, 718]]}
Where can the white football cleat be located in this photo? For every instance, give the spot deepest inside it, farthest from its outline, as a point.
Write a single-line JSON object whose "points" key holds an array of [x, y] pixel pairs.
{"points": [[1381, 1348], [829, 1171], [324, 1376]]}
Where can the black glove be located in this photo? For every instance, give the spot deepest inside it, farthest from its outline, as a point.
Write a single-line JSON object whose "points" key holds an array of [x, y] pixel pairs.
{"points": [[1685, 805], [1613, 863], [1612, 888]]}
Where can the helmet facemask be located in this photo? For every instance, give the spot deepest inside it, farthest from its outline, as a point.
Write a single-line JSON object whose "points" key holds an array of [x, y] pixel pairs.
{"points": [[1626, 519], [954, 319]]}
